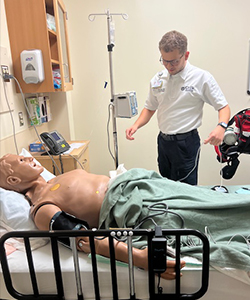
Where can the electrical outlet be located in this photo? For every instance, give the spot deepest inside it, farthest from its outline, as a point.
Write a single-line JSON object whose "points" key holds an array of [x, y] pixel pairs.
{"points": [[5, 71], [21, 121]]}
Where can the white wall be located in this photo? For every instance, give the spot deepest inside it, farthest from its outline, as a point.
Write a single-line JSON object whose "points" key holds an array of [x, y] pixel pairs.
{"points": [[218, 33]]}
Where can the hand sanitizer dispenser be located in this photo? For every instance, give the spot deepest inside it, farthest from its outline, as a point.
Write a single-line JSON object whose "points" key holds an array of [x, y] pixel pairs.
{"points": [[32, 66]]}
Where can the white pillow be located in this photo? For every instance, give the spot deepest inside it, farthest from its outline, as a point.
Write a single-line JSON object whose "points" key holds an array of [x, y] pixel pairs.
{"points": [[15, 212], [45, 174]]}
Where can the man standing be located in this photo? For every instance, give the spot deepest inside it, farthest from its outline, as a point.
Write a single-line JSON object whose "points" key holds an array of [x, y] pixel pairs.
{"points": [[178, 93]]}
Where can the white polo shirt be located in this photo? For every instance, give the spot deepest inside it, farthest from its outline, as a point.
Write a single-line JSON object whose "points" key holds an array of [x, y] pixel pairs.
{"points": [[179, 99]]}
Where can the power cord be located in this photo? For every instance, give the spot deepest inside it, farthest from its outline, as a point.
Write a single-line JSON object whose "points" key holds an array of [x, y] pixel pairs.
{"points": [[195, 164], [113, 157], [220, 188], [77, 160], [10, 111], [9, 76], [160, 211]]}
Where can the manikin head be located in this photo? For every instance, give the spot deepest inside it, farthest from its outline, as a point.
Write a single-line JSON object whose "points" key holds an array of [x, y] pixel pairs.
{"points": [[18, 173], [174, 54]]}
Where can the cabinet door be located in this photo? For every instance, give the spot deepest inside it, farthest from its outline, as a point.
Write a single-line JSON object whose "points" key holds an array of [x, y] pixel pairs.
{"points": [[61, 19]]}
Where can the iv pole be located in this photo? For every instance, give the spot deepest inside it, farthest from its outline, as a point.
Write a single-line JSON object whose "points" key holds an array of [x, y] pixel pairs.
{"points": [[110, 49]]}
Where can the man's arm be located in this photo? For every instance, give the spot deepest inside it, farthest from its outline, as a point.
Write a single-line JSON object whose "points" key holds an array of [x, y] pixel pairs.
{"points": [[143, 119], [216, 136]]}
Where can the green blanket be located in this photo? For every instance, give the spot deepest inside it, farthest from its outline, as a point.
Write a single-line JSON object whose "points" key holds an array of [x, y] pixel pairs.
{"points": [[226, 217]]}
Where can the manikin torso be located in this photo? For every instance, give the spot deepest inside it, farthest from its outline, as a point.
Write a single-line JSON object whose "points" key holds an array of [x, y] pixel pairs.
{"points": [[76, 192]]}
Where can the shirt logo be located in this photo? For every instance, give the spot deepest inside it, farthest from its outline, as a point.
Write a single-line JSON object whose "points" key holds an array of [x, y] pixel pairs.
{"points": [[187, 89], [157, 84]]}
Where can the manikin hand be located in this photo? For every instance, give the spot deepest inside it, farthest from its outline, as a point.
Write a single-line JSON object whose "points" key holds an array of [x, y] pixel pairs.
{"points": [[140, 257]]}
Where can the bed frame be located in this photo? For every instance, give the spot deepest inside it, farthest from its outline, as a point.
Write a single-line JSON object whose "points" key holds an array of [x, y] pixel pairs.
{"points": [[154, 292]]}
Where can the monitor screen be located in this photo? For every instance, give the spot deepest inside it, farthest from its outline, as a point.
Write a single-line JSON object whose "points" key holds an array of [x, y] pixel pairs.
{"points": [[55, 135]]}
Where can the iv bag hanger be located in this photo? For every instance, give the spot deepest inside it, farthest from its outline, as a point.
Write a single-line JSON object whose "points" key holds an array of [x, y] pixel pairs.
{"points": [[110, 49]]}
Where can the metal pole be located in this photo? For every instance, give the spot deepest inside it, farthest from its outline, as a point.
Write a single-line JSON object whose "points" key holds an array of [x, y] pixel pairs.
{"points": [[131, 268], [77, 268], [110, 49]]}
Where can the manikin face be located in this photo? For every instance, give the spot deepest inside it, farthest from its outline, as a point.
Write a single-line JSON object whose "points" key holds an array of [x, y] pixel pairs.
{"points": [[23, 168], [174, 61]]}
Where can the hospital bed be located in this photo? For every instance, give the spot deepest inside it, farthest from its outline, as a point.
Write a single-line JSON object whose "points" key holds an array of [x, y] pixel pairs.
{"points": [[114, 279], [15, 223], [54, 273], [224, 283]]}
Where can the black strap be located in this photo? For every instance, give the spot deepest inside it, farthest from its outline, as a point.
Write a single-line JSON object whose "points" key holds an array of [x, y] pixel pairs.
{"points": [[64, 221]]}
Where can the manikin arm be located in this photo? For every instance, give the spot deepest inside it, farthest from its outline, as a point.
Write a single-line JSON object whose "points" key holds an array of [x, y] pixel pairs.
{"points": [[140, 257]]}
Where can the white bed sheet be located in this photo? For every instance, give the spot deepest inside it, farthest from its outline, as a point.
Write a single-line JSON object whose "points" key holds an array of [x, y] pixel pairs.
{"points": [[221, 286]]}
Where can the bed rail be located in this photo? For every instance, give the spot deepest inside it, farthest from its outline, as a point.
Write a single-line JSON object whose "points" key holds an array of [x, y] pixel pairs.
{"points": [[154, 293]]}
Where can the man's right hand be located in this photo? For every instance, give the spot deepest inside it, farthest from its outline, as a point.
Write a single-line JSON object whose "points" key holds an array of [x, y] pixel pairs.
{"points": [[130, 132], [143, 119]]}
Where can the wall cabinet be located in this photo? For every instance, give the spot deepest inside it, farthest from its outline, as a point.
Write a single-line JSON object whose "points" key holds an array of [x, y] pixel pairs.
{"points": [[28, 29]]}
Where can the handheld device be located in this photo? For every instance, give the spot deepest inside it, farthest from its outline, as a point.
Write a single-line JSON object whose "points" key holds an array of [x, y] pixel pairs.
{"points": [[55, 142], [159, 245]]}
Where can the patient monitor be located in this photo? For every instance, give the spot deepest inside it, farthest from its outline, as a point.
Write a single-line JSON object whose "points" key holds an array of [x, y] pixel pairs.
{"points": [[125, 105]]}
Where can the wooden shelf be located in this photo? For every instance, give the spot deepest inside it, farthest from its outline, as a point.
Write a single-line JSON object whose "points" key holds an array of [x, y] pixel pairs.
{"points": [[52, 32], [55, 62]]}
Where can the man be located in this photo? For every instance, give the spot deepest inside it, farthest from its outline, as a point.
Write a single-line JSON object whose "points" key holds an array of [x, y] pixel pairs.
{"points": [[77, 193], [178, 93], [136, 199]]}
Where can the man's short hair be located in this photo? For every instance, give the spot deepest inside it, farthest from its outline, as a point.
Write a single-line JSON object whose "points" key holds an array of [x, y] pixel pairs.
{"points": [[173, 40]]}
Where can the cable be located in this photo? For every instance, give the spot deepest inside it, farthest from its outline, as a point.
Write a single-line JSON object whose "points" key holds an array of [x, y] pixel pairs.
{"points": [[61, 163], [108, 132], [242, 236], [221, 177], [220, 188], [161, 211], [195, 164], [159, 288], [34, 126], [82, 167], [11, 116]]}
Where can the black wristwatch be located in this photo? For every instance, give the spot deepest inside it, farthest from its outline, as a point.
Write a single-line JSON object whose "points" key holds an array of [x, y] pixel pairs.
{"points": [[223, 124]]}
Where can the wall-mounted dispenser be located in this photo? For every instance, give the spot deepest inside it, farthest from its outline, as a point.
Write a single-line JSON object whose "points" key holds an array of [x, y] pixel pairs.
{"points": [[32, 66]]}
